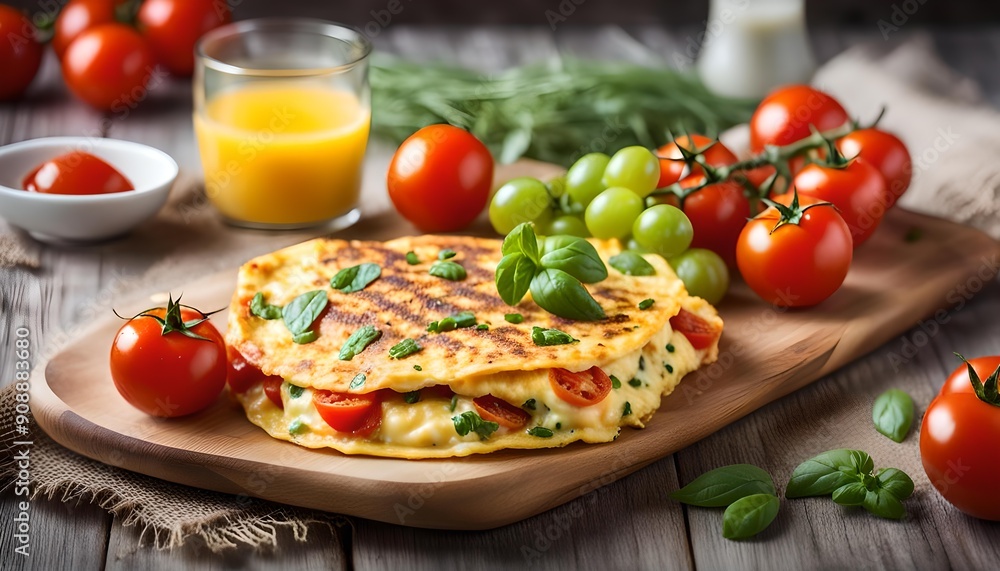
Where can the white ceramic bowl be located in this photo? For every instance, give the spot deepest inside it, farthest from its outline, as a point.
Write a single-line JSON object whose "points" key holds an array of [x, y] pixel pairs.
{"points": [[84, 218]]}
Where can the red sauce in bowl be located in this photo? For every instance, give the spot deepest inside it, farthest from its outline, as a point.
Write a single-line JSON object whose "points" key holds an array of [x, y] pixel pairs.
{"points": [[76, 172]]}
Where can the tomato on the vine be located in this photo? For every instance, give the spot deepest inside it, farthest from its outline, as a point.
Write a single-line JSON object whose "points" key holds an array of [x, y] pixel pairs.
{"points": [[718, 213], [796, 256], [20, 53], [169, 361], [857, 189], [78, 16], [885, 152], [956, 438], [789, 113], [173, 27], [108, 66], [672, 165], [493, 409], [440, 178]]}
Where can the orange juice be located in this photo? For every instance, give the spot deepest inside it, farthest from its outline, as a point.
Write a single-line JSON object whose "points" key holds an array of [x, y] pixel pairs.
{"points": [[283, 153]]}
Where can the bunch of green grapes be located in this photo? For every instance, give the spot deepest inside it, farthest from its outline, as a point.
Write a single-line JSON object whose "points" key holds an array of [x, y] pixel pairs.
{"points": [[608, 197]]}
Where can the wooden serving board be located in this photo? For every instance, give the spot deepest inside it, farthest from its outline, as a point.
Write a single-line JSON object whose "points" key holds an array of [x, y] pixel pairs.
{"points": [[765, 354]]}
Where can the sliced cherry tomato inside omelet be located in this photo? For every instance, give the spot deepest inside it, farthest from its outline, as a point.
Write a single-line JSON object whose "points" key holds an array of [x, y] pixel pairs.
{"points": [[699, 332], [272, 388], [346, 412], [580, 389], [492, 409]]}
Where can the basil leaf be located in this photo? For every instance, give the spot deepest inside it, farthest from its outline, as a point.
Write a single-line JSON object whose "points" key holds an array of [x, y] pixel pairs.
{"points": [[529, 404], [482, 327], [297, 427], [300, 313], [358, 381], [559, 293], [723, 486], [634, 382], [575, 256], [404, 348], [547, 337], [418, 368], [357, 342], [513, 277], [646, 303], [632, 264], [883, 504], [748, 516], [448, 271], [615, 383], [450, 323], [522, 240], [446, 253], [896, 482], [514, 318], [469, 421], [304, 338], [451, 406], [892, 414], [295, 391], [264, 310], [852, 494], [411, 397], [412, 259], [355, 278], [627, 410], [541, 432], [821, 475]]}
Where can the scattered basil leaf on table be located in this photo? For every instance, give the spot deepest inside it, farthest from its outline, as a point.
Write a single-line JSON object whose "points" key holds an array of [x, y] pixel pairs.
{"points": [[469, 421], [547, 337], [357, 342], [575, 256], [896, 482], [749, 515], [355, 278], [852, 494], [448, 270], [632, 264], [404, 348], [559, 293], [262, 309], [301, 312], [723, 486], [847, 475], [893, 413], [883, 504]]}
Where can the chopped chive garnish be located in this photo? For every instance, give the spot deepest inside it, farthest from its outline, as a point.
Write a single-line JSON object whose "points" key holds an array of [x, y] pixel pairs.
{"points": [[411, 397], [418, 368], [646, 303], [628, 409], [670, 368], [615, 383], [670, 347], [635, 382], [294, 391], [482, 327], [529, 404]]}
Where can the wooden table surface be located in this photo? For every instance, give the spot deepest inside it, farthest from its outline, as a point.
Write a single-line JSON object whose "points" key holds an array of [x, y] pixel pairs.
{"points": [[629, 524]]}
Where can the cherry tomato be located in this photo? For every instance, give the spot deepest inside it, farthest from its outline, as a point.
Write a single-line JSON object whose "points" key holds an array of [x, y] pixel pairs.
{"points": [[795, 264], [955, 443], [718, 214], [108, 66], [857, 190], [78, 16], [672, 165], [169, 374], [272, 389], [584, 388], [20, 53], [349, 412], [885, 152], [492, 409], [173, 27], [698, 332], [76, 172], [786, 114], [440, 178], [242, 375]]}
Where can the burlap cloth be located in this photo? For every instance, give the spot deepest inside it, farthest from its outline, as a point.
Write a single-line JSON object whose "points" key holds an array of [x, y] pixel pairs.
{"points": [[951, 133]]}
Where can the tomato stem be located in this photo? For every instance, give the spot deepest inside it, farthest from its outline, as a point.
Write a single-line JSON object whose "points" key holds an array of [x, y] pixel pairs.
{"points": [[172, 321], [793, 213], [988, 391]]}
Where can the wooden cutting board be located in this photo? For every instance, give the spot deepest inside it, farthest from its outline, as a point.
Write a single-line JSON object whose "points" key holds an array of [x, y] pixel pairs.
{"points": [[765, 353]]}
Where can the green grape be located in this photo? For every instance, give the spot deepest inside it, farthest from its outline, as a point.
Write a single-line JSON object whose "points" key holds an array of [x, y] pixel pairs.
{"points": [[520, 200], [703, 272], [557, 186], [662, 229], [636, 168], [566, 224], [611, 213], [583, 179]]}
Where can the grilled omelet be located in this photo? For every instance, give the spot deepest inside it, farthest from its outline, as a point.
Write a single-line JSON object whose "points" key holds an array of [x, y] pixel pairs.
{"points": [[470, 390]]}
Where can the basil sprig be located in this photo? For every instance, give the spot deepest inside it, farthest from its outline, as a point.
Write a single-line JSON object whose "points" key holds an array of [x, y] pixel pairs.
{"points": [[262, 309], [301, 312], [357, 342], [848, 476], [722, 486], [469, 421], [632, 264], [892, 414], [355, 278], [553, 275]]}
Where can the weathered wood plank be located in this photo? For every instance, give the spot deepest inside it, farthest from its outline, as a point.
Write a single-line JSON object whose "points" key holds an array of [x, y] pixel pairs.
{"points": [[62, 536]]}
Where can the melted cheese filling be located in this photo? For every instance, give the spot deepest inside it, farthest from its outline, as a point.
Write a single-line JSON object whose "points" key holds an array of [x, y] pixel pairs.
{"points": [[426, 429]]}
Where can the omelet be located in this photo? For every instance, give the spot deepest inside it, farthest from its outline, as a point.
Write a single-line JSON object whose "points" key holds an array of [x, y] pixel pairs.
{"points": [[473, 389]]}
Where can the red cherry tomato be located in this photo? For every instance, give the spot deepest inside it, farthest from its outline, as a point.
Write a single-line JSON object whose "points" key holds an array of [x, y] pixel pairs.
{"points": [[955, 438], [108, 66], [168, 374], [857, 190], [584, 388], [718, 213], [672, 165], [349, 412], [698, 332], [492, 409], [440, 178], [76, 172], [173, 27], [78, 16], [796, 264], [786, 114], [272, 389], [242, 375], [20, 53], [885, 152]]}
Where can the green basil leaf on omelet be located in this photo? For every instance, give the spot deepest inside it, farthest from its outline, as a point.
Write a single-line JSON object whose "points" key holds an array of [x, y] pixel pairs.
{"points": [[301, 312], [559, 293], [632, 264], [448, 270], [355, 278], [357, 342], [513, 277], [262, 309], [575, 256]]}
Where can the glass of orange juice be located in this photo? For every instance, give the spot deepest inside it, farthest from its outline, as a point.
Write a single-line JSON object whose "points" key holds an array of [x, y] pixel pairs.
{"points": [[282, 111]]}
